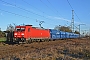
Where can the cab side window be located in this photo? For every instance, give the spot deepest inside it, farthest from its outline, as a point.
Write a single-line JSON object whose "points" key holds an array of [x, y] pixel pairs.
{"points": [[28, 29]]}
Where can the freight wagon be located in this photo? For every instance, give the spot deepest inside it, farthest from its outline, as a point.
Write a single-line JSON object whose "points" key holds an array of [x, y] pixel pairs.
{"points": [[56, 34], [29, 33]]}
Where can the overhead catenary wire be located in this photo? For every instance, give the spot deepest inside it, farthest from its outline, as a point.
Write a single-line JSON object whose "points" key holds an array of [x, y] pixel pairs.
{"points": [[54, 8], [20, 15], [49, 7], [14, 5], [73, 9], [15, 14], [41, 10], [34, 7], [70, 4], [24, 9]]}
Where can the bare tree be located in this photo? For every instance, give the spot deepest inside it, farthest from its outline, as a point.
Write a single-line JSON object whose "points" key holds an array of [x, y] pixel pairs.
{"points": [[10, 28], [63, 28]]}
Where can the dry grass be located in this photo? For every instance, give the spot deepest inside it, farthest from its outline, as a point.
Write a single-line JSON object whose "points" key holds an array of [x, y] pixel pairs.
{"points": [[54, 50]]}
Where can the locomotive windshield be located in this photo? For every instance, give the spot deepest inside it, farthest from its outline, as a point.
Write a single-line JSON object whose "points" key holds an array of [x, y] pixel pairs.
{"points": [[20, 29]]}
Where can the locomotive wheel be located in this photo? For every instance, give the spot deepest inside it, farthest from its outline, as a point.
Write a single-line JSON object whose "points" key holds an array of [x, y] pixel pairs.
{"points": [[28, 41], [17, 42], [40, 40]]}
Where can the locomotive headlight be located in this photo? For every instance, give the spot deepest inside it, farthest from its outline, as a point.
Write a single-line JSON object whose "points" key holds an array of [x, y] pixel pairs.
{"points": [[15, 34], [22, 34]]}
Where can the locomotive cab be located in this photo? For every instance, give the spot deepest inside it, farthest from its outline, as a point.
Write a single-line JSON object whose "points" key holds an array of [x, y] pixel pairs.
{"points": [[19, 33]]}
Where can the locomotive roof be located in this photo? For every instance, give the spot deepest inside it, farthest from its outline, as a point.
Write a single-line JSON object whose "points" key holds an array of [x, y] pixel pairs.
{"points": [[20, 26], [37, 27], [28, 25]]}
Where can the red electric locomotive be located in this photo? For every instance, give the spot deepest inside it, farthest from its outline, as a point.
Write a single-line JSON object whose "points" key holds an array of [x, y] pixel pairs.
{"points": [[29, 33]]}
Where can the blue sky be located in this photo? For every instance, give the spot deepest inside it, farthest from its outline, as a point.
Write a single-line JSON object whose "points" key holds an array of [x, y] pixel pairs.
{"points": [[52, 12]]}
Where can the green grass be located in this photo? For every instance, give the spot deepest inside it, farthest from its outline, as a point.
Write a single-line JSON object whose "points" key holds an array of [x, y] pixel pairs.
{"points": [[2, 39]]}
